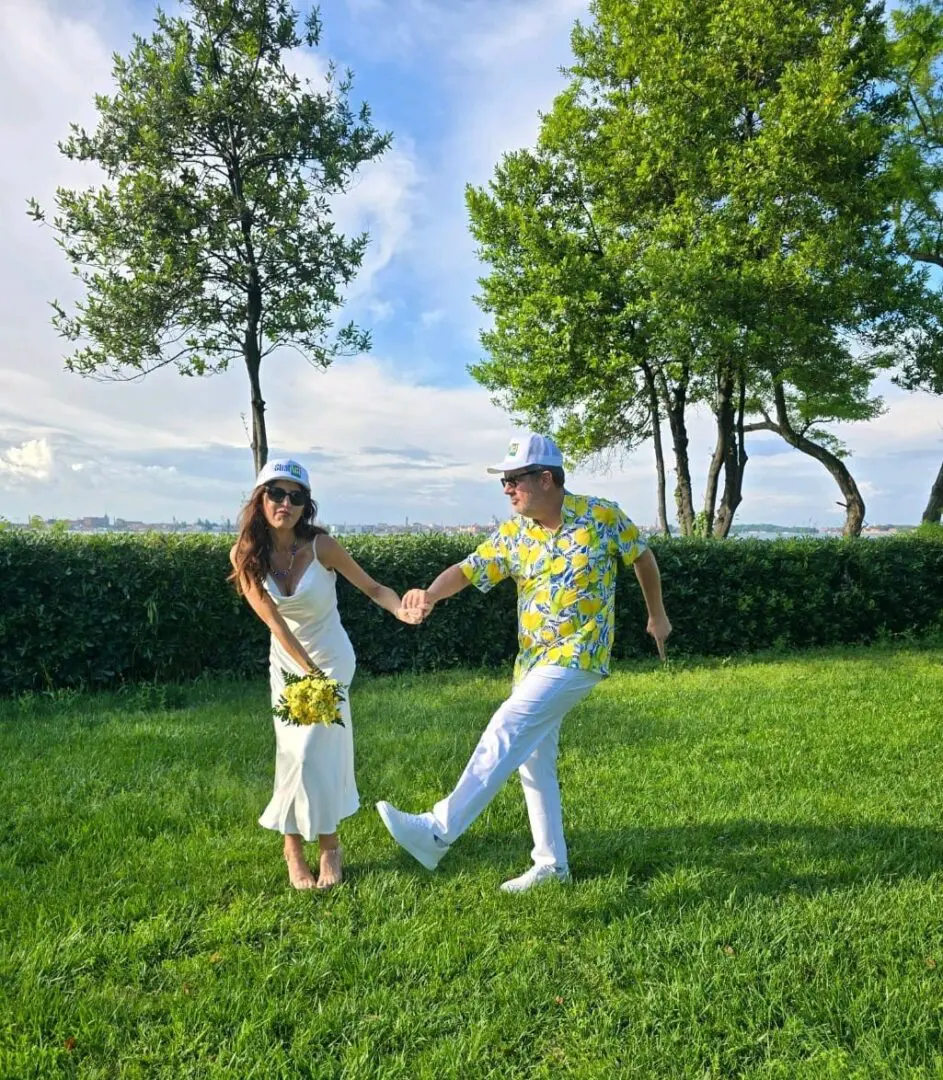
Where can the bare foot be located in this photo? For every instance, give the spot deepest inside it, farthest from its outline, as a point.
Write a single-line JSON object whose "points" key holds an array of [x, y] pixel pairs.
{"points": [[330, 874], [299, 873]]}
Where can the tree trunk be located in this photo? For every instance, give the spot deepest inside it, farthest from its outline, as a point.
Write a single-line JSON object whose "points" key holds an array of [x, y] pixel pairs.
{"points": [[723, 414], [854, 503], [933, 515], [252, 354], [655, 409], [735, 460], [674, 407], [259, 437]]}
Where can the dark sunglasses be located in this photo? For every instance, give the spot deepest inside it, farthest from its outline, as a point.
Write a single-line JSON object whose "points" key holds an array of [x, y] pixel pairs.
{"points": [[511, 481], [278, 495]]}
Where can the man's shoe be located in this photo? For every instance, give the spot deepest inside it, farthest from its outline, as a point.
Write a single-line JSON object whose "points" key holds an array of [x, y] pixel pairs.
{"points": [[536, 875], [414, 833]]}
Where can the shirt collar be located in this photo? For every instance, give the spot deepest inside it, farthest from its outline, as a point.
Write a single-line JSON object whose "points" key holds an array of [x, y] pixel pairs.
{"points": [[569, 508]]}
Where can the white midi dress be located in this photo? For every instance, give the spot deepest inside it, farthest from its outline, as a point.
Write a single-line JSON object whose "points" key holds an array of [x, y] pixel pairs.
{"points": [[314, 766]]}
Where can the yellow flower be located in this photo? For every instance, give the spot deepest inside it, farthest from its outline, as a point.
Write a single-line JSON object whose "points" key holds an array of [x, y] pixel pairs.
{"points": [[311, 699]]}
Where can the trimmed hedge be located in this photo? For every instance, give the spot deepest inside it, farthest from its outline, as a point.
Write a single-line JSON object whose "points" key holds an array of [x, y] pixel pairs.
{"points": [[89, 611]]}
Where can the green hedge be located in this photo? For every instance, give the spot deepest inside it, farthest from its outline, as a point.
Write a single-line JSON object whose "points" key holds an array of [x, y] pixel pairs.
{"points": [[88, 611]]}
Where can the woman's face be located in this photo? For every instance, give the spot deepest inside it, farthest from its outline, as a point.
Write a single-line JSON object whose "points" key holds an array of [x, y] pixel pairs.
{"points": [[280, 512]]}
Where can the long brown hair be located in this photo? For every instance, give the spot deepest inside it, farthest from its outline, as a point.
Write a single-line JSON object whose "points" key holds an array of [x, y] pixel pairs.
{"points": [[252, 561]]}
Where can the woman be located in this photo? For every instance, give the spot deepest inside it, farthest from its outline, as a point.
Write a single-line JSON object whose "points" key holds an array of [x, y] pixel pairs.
{"points": [[286, 568]]}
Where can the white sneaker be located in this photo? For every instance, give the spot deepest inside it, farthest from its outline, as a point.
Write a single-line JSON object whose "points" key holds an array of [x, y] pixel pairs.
{"points": [[414, 833], [536, 875]]}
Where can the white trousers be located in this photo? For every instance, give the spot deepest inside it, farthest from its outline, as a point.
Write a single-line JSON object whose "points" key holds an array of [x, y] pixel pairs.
{"points": [[523, 734]]}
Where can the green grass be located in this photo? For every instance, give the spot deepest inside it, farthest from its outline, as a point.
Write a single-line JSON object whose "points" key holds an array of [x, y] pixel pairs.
{"points": [[758, 864]]}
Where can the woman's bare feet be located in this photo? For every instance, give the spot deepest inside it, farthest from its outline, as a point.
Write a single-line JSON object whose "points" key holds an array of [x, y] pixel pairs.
{"points": [[299, 873], [331, 873]]}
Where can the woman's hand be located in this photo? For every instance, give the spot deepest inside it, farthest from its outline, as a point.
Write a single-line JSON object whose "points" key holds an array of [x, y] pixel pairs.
{"points": [[412, 616]]}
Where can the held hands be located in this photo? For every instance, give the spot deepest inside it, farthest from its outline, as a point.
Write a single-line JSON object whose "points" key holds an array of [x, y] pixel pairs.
{"points": [[413, 616], [417, 606], [659, 627]]}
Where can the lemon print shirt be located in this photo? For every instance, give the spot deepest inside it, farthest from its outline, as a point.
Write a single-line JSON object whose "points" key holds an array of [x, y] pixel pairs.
{"points": [[566, 581]]}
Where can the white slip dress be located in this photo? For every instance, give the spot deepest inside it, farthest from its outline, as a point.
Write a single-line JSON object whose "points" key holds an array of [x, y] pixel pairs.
{"points": [[314, 766]]}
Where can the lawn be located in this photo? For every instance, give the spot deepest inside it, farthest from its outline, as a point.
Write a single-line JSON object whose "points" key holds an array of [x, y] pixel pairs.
{"points": [[758, 886]]}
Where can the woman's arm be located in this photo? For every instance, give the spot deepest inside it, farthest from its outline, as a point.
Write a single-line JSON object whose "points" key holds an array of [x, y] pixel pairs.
{"points": [[333, 556], [451, 581], [264, 606]]}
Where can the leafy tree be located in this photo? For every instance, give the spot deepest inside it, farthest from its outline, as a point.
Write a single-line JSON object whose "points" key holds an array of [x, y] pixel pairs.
{"points": [[719, 170], [213, 235], [918, 162]]}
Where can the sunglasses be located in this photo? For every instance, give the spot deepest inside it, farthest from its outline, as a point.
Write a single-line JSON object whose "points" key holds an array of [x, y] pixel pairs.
{"points": [[512, 481], [278, 495]]}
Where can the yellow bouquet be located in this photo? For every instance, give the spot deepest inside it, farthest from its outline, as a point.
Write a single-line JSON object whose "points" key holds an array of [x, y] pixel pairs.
{"points": [[310, 699]]}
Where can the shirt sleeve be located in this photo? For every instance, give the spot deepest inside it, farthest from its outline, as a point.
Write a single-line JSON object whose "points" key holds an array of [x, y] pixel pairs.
{"points": [[488, 564], [625, 540]]}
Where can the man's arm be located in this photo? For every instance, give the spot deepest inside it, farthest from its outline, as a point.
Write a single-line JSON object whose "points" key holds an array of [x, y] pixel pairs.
{"points": [[448, 583], [649, 577]]}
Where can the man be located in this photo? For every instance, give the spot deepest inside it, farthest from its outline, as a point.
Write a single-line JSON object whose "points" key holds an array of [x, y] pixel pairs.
{"points": [[562, 551]]}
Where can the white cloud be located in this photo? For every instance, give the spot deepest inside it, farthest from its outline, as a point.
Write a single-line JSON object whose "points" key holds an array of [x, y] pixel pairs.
{"points": [[382, 201], [31, 461]]}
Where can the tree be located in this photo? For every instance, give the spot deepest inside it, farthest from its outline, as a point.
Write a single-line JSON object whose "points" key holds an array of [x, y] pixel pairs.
{"points": [[720, 168], [565, 352], [918, 161], [213, 235]]}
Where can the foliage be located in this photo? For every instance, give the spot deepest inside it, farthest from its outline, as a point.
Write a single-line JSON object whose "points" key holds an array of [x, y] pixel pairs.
{"points": [[213, 235], [707, 204], [100, 610]]}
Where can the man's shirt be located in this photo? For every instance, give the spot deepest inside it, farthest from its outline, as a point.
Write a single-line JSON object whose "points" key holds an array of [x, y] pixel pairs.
{"points": [[566, 581]]}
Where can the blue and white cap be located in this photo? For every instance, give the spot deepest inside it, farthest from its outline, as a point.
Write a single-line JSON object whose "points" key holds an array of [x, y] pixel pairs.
{"points": [[525, 450], [283, 469]]}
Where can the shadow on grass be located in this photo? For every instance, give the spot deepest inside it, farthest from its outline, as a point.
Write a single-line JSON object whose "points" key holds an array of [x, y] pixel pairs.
{"points": [[710, 861]]}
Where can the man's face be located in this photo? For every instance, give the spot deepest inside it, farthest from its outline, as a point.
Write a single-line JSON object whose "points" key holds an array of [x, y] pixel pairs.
{"points": [[526, 489]]}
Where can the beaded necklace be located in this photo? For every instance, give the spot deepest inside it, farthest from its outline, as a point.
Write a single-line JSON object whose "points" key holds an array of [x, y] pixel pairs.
{"points": [[280, 575]]}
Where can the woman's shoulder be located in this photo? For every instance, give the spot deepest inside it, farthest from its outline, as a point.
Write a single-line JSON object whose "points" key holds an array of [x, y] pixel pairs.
{"points": [[325, 549]]}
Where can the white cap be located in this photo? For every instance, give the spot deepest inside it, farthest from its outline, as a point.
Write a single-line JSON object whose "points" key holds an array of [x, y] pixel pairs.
{"points": [[529, 450], [283, 469]]}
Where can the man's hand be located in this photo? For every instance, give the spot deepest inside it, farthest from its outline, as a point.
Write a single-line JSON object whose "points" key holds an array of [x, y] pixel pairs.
{"points": [[418, 603], [659, 627]]}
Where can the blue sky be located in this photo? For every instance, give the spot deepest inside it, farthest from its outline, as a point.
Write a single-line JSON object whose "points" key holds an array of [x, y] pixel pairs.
{"points": [[401, 432]]}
